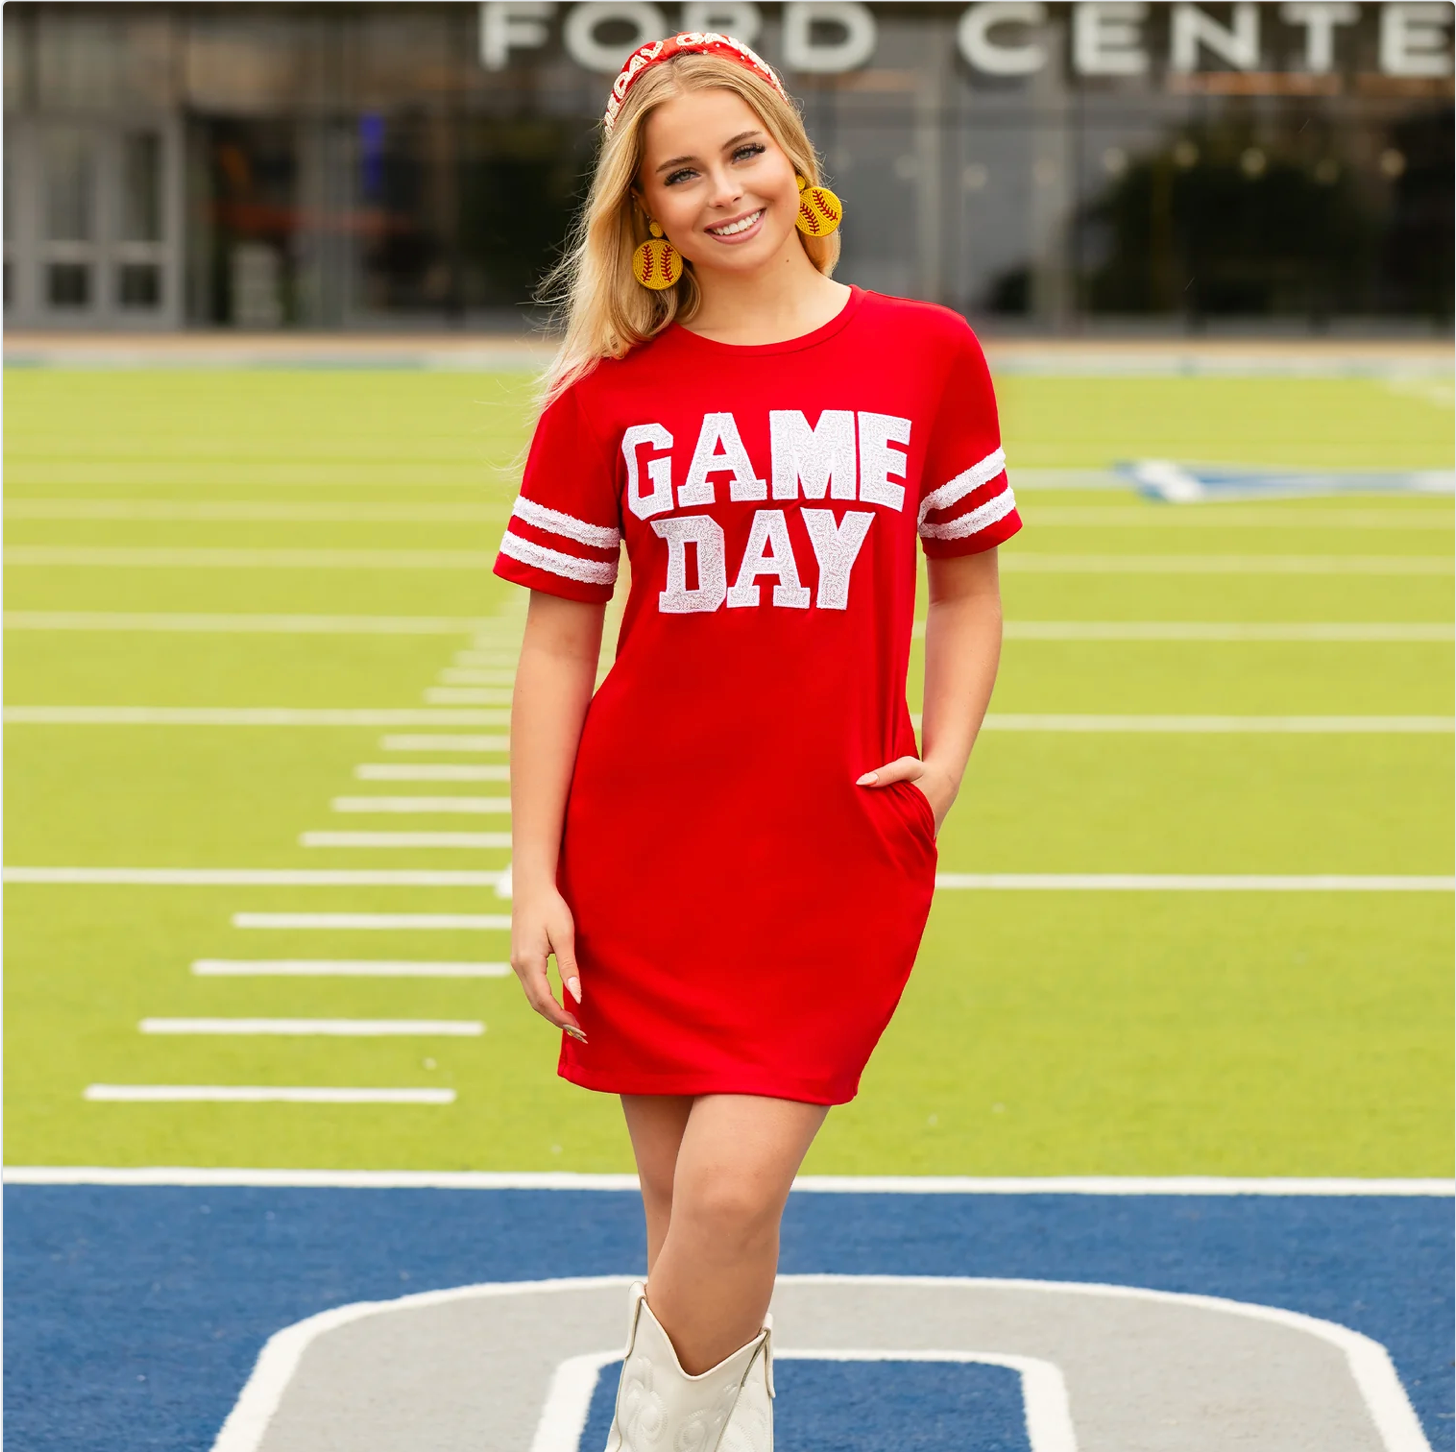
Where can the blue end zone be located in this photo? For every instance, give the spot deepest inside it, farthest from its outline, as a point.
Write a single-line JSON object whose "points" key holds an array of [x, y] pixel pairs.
{"points": [[133, 1316]]}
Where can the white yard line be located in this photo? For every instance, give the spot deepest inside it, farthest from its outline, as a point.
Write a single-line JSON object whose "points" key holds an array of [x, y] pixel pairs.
{"points": [[245, 716], [350, 1028], [259, 1094], [408, 840], [506, 659], [243, 624], [1032, 563], [477, 676], [1217, 725], [345, 968], [429, 806], [377, 922], [312, 512], [467, 696], [446, 743], [185, 1176], [251, 877], [1213, 515], [430, 771], [1185, 882], [158, 557], [1415, 632], [369, 877]]}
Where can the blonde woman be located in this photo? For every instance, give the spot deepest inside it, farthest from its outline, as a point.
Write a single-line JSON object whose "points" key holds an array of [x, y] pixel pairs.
{"points": [[730, 847]]}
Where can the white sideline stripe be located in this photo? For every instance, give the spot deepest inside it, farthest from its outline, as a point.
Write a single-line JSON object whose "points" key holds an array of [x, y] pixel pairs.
{"points": [[429, 771], [1027, 562], [463, 806], [593, 572], [404, 839], [1184, 882], [258, 1094], [378, 922], [244, 716], [1260, 725], [318, 1027], [194, 557], [1047, 1408], [344, 968], [467, 696], [1294, 631], [1217, 1185], [555, 521], [1369, 1362], [245, 624], [253, 509], [252, 877], [1215, 515], [445, 743], [493, 659]]}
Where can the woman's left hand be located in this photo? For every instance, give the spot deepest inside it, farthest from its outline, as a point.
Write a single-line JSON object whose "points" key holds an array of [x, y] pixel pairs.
{"points": [[939, 786]]}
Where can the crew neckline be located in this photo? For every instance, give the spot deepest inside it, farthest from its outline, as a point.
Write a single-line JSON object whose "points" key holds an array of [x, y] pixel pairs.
{"points": [[786, 345]]}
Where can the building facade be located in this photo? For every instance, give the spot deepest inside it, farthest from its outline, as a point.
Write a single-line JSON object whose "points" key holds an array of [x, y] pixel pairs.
{"points": [[1111, 164]]}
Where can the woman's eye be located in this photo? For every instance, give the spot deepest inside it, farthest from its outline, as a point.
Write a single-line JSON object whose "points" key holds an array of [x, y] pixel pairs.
{"points": [[678, 175], [752, 149]]}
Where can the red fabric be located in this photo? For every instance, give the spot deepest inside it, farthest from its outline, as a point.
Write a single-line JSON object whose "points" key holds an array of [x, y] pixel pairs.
{"points": [[747, 916]]}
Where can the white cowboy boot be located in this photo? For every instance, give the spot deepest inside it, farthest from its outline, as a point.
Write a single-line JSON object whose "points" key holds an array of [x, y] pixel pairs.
{"points": [[660, 1408], [750, 1427]]}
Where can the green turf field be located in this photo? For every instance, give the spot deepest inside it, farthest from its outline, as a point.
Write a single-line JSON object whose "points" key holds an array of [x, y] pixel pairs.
{"points": [[1093, 1032]]}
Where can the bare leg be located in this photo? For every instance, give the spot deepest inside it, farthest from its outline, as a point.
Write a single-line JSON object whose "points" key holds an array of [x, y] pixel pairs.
{"points": [[713, 1275], [656, 1123]]}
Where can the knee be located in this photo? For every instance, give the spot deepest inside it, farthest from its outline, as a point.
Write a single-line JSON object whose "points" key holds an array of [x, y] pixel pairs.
{"points": [[726, 1210]]}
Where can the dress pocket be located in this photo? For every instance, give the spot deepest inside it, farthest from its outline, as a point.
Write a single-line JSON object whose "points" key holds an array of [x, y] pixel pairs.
{"points": [[924, 811]]}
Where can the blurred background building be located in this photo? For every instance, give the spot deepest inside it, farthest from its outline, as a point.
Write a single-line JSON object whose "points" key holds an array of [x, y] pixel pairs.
{"points": [[1060, 168]]}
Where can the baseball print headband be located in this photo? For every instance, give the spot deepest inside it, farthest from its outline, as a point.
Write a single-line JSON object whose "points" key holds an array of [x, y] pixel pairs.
{"points": [[689, 42]]}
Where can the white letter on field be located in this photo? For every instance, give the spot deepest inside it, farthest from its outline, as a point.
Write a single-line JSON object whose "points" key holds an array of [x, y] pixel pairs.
{"points": [[708, 458], [821, 458]]}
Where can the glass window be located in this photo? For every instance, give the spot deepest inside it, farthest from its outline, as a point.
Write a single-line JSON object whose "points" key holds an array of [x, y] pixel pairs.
{"points": [[67, 178], [68, 284], [139, 284], [141, 187]]}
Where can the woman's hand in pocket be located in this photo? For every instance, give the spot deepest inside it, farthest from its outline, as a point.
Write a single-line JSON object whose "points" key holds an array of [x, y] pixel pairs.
{"points": [[937, 786]]}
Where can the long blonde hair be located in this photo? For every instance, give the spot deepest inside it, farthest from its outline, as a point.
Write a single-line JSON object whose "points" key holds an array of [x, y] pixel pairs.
{"points": [[606, 311]]}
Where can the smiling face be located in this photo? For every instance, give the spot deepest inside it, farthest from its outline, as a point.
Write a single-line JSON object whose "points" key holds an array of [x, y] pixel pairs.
{"points": [[717, 182]]}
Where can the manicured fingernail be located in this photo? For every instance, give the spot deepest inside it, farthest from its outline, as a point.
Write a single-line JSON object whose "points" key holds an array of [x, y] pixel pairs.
{"points": [[575, 1033], [573, 987], [868, 778]]}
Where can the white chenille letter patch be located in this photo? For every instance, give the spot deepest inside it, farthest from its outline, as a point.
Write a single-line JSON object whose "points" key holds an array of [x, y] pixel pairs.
{"points": [[659, 470], [879, 459], [821, 459], [769, 552], [720, 449], [836, 547], [703, 531]]}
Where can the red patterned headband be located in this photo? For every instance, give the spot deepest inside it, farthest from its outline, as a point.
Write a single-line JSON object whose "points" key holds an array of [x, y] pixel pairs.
{"points": [[689, 42]]}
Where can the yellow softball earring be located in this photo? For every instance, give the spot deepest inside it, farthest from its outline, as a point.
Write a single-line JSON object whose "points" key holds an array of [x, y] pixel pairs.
{"points": [[657, 263], [820, 211]]}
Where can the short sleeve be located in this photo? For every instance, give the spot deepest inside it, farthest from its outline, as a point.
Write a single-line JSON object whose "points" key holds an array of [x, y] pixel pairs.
{"points": [[565, 531], [966, 503]]}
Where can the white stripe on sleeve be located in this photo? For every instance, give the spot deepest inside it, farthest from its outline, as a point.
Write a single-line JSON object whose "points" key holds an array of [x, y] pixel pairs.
{"points": [[961, 485], [978, 519], [565, 524], [590, 572]]}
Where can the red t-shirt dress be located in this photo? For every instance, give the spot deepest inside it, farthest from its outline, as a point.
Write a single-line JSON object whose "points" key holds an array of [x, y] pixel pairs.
{"points": [[746, 916]]}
